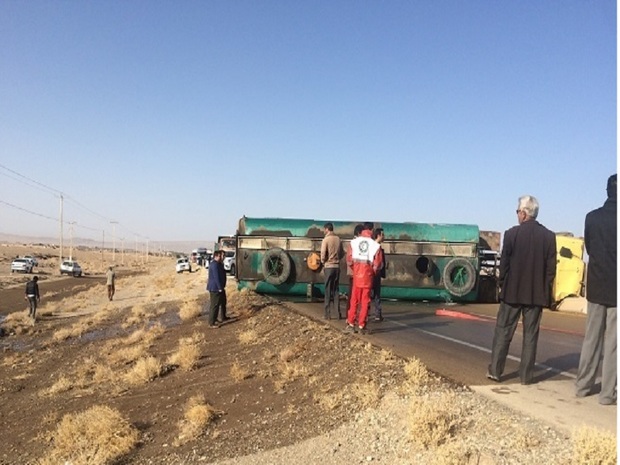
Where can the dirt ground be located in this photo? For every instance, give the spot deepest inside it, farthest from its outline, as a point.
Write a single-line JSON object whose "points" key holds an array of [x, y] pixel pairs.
{"points": [[273, 387], [52, 368]]}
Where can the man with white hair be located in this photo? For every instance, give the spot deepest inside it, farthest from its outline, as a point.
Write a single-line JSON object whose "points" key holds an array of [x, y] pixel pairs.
{"points": [[526, 273]]}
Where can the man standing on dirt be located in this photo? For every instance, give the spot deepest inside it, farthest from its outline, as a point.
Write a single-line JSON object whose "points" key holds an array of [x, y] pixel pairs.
{"points": [[526, 273], [33, 297], [216, 285], [601, 242], [110, 278], [331, 253], [364, 258]]}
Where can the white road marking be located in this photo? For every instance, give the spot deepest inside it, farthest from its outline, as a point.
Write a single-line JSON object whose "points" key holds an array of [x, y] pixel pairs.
{"points": [[483, 349]]}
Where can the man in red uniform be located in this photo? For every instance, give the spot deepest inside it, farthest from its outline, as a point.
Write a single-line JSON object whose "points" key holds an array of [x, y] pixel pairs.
{"points": [[365, 259]]}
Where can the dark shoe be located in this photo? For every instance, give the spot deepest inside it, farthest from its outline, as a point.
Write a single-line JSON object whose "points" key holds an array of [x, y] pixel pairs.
{"points": [[362, 330], [492, 377], [349, 329], [226, 318]]}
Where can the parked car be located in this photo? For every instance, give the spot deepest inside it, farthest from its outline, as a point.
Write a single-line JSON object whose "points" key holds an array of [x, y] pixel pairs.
{"points": [[21, 264], [71, 267], [183, 264], [230, 261], [32, 259]]}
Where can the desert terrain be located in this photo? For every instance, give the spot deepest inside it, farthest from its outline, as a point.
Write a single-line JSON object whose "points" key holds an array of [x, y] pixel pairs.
{"points": [[143, 380]]}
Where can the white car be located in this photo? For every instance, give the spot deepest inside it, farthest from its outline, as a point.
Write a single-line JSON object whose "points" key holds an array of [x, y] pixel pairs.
{"points": [[183, 264], [71, 267], [21, 264], [230, 261]]}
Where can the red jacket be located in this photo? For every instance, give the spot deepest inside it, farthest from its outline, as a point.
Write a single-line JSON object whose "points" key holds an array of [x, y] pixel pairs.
{"points": [[365, 258]]}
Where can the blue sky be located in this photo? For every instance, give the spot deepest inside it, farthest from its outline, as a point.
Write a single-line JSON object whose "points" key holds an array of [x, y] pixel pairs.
{"points": [[177, 118]]}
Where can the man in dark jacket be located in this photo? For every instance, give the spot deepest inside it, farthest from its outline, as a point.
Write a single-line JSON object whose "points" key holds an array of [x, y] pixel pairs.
{"points": [[601, 292], [33, 297], [526, 273], [216, 285]]}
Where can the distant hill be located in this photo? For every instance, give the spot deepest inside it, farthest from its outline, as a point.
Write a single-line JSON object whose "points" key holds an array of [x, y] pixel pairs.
{"points": [[173, 246]]}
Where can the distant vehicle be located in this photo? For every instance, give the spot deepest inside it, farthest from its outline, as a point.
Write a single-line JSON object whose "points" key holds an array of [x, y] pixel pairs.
{"points": [[21, 264], [71, 267], [32, 259], [183, 264], [230, 261]]}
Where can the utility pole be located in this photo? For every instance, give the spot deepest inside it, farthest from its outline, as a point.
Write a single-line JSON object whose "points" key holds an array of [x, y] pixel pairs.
{"points": [[61, 220], [71, 223], [147, 249], [113, 223], [102, 246], [122, 250]]}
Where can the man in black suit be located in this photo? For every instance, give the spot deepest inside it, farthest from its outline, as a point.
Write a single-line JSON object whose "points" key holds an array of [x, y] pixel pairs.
{"points": [[526, 273], [599, 343]]}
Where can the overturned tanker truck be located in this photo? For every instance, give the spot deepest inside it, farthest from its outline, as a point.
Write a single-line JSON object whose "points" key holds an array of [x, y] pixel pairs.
{"points": [[440, 262]]}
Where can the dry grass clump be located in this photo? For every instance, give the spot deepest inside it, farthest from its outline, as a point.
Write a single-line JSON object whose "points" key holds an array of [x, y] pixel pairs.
{"points": [[238, 372], [139, 314], [249, 336], [17, 323], [188, 353], [366, 393], [63, 384], [190, 309], [292, 352], [97, 436], [164, 282], [329, 400], [144, 370], [417, 373], [455, 453], [593, 447], [290, 371], [433, 420], [196, 417], [77, 329]]}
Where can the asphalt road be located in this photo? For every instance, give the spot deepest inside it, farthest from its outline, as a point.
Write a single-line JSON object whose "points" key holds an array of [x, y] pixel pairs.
{"points": [[454, 341]]}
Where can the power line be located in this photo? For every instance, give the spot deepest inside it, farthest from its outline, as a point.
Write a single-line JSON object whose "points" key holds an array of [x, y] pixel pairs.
{"points": [[29, 211], [28, 179], [62, 195]]}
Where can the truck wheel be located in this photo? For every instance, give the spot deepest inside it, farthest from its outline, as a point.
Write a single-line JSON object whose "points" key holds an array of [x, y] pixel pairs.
{"points": [[276, 266], [459, 276], [232, 270]]}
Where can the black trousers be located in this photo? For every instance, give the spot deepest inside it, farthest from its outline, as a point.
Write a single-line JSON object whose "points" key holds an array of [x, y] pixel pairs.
{"points": [[332, 282], [505, 326], [217, 304]]}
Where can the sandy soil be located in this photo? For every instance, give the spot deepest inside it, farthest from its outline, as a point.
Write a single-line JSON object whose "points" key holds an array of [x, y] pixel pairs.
{"points": [[284, 389]]}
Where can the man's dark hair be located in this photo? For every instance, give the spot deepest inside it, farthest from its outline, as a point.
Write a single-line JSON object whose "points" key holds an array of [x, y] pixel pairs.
{"points": [[35, 278], [612, 186], [358, 229], [377, 232], [368, 226], [329, 226]]}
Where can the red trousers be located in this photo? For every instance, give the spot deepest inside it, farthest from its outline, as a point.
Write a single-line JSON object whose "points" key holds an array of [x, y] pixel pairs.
{"points": [[359, 297]]}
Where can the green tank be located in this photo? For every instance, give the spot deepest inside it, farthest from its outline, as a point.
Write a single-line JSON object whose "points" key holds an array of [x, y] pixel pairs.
{"points": [[425, 261]]}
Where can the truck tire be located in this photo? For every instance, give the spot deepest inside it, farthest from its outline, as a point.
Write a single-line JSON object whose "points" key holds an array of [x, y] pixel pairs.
{"points": [[459, 277], [276, 266]]}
